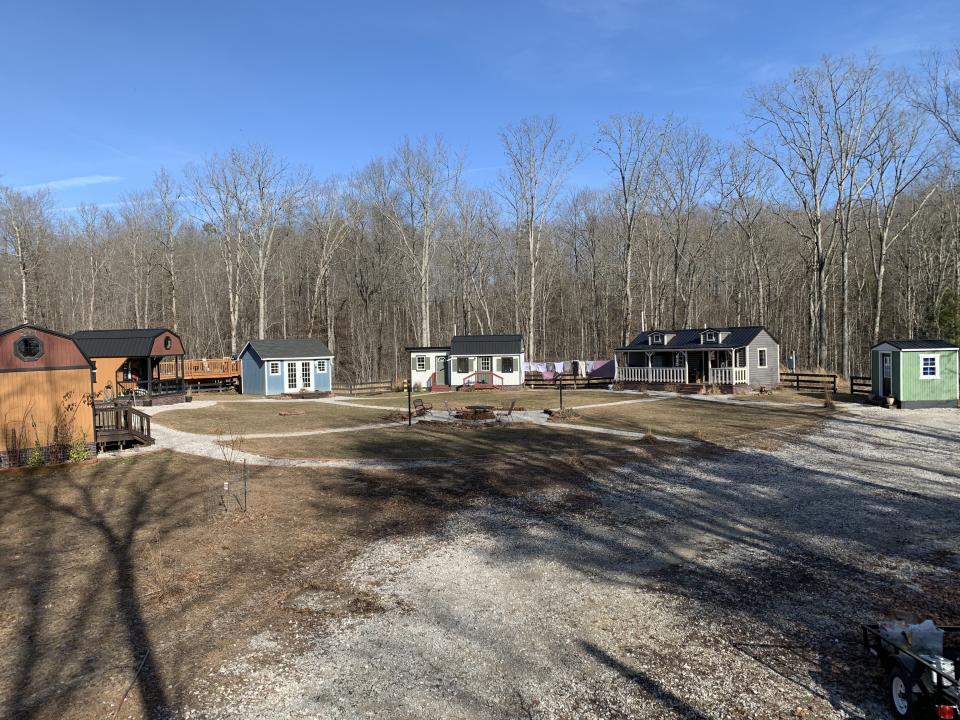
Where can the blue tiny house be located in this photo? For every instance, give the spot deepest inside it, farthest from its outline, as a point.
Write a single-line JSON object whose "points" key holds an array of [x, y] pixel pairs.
{"points": [[285, 367]]}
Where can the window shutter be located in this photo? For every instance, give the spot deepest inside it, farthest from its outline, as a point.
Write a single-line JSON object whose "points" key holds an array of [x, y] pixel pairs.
{"points": [[471, 364], [426, 363], [498, 364], [413, 363]]}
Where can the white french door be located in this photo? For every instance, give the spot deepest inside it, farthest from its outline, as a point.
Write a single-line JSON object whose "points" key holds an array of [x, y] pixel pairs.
{"points": [[299, 375]]}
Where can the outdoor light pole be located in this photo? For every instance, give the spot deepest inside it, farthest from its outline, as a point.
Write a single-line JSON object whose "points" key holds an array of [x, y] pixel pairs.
{"points": [[410, 390]]}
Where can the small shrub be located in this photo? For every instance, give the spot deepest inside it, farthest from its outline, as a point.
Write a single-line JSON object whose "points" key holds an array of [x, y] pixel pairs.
{"points": [[36, 459], [79, 451]]}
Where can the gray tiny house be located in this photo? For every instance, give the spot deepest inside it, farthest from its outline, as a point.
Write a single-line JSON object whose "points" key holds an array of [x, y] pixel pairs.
{"points": [[915, 373], [726, 357]]}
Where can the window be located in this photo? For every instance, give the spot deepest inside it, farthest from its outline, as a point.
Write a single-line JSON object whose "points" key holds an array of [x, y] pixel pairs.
{"points": [[274, 368], [506, 365], [486, 364], [761, 357], [709, 337], [656, 339], [94, 371], [740, 357], [679, 360], [28, 348], [306, 374], [291, 376], [167, 342], [463, 365], [421, 363], [321, 366], [929, 370]]}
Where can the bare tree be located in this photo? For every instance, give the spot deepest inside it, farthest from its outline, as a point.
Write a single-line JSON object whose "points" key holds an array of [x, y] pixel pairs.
{"points": [[633, 145], [325, 225], [168, 218], [24, 222], [937, 91], [538, 162]]}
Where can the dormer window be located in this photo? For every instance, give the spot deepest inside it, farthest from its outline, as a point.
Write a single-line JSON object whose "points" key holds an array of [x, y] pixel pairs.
{"points": [[656, 339], [709, 336]]}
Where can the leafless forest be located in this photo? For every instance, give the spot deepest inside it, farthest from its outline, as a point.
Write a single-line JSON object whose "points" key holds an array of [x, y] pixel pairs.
{"points": [[834, 220]]}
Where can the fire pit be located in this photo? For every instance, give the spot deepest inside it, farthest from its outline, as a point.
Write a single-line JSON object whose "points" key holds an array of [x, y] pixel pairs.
{"points": [[478, 412]]}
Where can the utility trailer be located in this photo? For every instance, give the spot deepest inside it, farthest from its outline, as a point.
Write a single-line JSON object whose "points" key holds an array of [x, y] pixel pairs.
{"points": [[918, 687]]}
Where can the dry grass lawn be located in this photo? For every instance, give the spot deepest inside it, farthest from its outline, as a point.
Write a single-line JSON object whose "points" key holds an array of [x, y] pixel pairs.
{"points": [[237, 418], [115, 566], [529, 399], [722, 423], [439, 440]]}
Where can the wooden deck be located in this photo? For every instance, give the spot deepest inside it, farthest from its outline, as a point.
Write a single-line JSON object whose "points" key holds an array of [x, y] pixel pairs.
{"points": [[204, 373], [118, 424]]}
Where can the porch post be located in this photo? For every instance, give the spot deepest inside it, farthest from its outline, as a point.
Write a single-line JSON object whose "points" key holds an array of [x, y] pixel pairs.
{"points": [[686, 368], [149, 376]]}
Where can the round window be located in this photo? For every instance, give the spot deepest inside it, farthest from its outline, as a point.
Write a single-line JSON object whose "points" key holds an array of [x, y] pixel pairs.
{"points": [[28, 347], [167, 343]]}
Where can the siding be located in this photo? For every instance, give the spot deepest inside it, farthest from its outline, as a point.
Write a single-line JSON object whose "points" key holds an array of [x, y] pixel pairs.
{"points": [[58, 352], [43, 397], [895, 374], [107, 369], [323, 381], [176, 346], [770, 375], [514, 378], [275, 382], [251, 373], [915, 389], [875, 389]]}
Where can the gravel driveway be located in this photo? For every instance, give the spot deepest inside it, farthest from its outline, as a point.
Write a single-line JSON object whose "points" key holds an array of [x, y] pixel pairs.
{"points": [[720, 584]]}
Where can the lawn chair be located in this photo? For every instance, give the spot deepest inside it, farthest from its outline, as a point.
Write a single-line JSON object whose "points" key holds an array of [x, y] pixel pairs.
{"points": [[420, 408], [507, 415], [451, 413]]}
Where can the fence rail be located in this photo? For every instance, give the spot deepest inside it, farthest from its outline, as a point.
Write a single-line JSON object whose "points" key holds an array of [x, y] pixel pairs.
{"points": [[116, 423], [675, 375], [809, 381], [861, 385], [569, 380], [374, 387], [202, 368], [728, 376]]}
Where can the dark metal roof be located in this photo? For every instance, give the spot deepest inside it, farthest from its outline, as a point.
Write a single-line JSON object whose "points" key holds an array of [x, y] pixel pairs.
{"points": [[426, 348], [689, 338], [123, 342], [486, 345], [919, 344], [290, 348]]}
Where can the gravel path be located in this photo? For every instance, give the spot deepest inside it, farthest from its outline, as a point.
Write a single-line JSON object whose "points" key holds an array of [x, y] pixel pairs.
{"points": [[726, 585]]}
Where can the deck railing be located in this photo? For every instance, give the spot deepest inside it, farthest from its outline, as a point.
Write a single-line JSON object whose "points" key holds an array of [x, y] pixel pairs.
{"points": [[483, 377], [118, 422], [728, 376], [201, 367], [674, 375]]}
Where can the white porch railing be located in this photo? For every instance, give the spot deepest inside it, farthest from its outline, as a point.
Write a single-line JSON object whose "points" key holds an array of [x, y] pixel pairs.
{"points": [[728, 376], [652, 374]]}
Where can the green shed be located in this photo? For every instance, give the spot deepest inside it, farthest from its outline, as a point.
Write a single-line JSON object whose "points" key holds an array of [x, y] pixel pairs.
{"points": [[916, 373]]}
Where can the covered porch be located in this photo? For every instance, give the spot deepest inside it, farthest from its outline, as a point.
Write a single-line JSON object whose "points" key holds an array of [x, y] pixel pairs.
{"points": [[146, 378], [683, 367]]}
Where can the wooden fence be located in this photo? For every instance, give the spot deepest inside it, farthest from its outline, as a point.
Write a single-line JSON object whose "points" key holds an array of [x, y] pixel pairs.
{"points": [[375, 387], [809, 381], [861, 385], [536, 381]]}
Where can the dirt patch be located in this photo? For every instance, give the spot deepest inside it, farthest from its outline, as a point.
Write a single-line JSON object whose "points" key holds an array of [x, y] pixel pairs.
{"points": [[109, 566]]}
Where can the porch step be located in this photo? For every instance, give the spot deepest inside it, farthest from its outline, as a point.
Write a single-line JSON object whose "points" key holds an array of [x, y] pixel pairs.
{"points": [[689, 389], [439, 388]]}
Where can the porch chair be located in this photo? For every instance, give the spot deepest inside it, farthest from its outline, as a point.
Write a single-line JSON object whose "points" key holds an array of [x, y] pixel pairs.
{"points": [[421, 408], [507, 415]]}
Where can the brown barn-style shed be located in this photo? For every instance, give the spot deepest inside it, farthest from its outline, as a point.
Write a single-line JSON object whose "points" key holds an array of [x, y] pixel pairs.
{"points": [[45, 397], [127, 364]]}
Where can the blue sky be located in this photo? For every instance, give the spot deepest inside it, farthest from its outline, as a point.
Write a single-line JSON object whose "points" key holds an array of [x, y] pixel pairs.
{"points": [[97, 96]]}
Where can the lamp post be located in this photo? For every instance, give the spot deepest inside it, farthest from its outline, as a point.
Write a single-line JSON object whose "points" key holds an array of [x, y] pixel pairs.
{"points": [[410, 389]]}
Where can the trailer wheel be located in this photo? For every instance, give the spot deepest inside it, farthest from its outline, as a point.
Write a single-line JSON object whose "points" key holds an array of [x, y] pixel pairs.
{"points": [[900, 693]]}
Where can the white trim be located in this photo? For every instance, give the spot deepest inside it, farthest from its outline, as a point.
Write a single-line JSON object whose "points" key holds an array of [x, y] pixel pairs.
{"points": [[292, 359], [936, 366], [325, 367], [480, 360], [766, 358], [418, 360], [271, 363]]}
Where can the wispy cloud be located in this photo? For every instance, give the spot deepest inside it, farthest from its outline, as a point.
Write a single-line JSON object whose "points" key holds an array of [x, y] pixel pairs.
{"points": [[73, 182]]}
